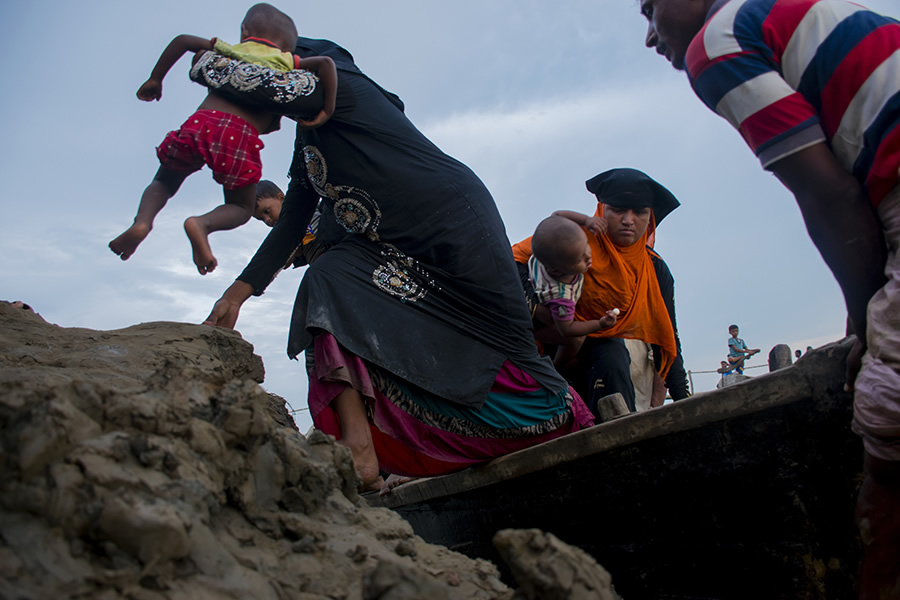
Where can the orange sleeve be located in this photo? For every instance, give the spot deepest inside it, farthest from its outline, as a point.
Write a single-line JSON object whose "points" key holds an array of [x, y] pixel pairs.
{"points": [[522, 251]]}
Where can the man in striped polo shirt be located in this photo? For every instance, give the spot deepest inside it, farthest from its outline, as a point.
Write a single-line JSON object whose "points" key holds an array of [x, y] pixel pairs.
{"points": [[813, 86]]}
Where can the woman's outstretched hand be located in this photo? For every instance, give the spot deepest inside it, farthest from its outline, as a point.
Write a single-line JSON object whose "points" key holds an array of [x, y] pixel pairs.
{"points": [[224, 314], [226, 310]]}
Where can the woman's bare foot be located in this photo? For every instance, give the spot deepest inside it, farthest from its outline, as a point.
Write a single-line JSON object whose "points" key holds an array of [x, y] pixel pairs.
{"points": [[199, 237], [366, 464], [393, 481], [125, 245], [376, 485]]}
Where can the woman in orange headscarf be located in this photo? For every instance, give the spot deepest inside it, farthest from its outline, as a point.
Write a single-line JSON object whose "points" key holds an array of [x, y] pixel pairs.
{"points": [[626, 274]]}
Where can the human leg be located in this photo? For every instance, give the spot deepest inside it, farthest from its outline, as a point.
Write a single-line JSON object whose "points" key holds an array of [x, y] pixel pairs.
{"points": [[609, 372], [566, 351], [738, 363], [356, 435], [436, 437], [236, 211], [164, 185], [642, 373], [878, 516], [876, 418]]}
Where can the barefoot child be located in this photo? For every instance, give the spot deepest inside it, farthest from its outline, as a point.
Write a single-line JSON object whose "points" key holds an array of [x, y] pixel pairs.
{"points": [[561, 255], [221, 134]]}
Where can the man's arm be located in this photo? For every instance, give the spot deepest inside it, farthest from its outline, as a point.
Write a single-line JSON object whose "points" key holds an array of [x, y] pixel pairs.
{"points": [[152, 88], [842, 224]]}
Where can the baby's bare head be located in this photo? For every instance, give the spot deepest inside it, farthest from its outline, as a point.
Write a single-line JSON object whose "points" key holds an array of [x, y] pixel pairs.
{"points": [[561, 246], [267, 22]]}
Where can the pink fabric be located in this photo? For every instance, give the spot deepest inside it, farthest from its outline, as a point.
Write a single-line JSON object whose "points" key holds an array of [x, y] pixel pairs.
{"points": [[561, 309], [405, 445], [225, 142]]}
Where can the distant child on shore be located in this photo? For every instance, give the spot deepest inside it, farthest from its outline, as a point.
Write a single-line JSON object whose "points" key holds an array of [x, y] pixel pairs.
{"points": [[222, 134], [737, 349], [560, 257]]}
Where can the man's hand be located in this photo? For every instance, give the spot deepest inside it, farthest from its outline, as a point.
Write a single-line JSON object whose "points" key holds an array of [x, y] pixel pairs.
{"points": [[150, 90], [854, 362]]}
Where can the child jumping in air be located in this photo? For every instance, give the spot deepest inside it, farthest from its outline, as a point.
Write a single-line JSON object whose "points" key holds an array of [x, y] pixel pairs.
{"points": [[222, 134], [560, 257]]}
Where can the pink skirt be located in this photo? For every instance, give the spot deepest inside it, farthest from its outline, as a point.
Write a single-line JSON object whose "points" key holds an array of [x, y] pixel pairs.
{"points": [[418, 434]]}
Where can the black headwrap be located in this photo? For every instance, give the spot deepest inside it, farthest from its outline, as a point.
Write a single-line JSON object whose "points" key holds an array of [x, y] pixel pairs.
{"points": [[630, 188]]}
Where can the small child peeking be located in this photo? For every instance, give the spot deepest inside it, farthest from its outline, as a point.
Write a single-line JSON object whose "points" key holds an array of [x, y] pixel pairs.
{"points": [[269, 199], [222, 134], [560, 257]]}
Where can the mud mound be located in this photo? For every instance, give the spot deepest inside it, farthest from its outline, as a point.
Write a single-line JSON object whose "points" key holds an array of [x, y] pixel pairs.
{"points": [[148, 463]]}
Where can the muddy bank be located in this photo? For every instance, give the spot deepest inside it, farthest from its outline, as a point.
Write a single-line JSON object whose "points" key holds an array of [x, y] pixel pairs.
{"points": [[148, 463]]}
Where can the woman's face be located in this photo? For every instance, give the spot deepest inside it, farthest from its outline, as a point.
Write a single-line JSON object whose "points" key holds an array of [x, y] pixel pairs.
{"points": [[626, 225]]}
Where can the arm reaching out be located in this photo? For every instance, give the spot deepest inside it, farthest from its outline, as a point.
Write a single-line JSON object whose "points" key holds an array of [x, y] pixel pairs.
{"points": [[152, 88], [227, 308], [596, 225], [579, 328]]}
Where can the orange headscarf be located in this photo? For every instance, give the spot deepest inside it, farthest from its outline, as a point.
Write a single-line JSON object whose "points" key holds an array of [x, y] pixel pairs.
{"points": [[623, 278]]}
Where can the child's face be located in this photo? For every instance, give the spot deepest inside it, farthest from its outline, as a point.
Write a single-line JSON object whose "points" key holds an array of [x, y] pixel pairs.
{"points": [[578, 264], [734, 331], [268, 210]]}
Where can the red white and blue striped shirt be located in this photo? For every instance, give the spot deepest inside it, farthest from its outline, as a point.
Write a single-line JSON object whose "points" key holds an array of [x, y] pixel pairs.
{"points": [[792, 73]]}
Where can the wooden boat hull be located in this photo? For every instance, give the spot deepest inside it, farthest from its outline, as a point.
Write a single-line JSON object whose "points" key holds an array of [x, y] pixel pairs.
{"points": [[744, 492]]}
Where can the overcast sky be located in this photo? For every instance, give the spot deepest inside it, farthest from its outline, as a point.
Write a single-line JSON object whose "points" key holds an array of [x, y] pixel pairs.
{"points": [[536, 97]]}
